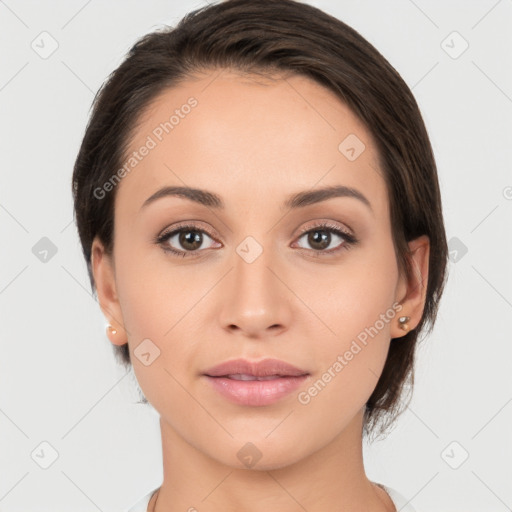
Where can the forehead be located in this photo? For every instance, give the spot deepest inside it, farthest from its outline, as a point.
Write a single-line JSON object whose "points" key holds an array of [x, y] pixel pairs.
{"points": [[244, 137]]}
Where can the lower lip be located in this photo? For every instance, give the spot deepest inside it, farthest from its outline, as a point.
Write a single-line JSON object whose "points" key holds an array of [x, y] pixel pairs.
{"points": [[255, 392]]}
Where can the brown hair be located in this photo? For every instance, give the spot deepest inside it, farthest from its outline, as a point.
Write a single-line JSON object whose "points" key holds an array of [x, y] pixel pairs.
{"points": [[271, 37]]}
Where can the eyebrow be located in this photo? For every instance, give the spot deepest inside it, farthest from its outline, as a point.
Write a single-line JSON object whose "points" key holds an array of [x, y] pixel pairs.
{"points": [[294, 201]]}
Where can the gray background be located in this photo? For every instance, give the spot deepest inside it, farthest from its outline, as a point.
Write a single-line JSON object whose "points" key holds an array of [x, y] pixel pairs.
{"points": [[59, 380]]}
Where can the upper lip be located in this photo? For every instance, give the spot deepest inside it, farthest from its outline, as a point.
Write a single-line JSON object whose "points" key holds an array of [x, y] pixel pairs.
{"points": [[262, 368]]}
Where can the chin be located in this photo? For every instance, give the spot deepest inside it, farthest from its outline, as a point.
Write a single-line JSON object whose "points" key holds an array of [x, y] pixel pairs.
{"points": [[265, 454]]}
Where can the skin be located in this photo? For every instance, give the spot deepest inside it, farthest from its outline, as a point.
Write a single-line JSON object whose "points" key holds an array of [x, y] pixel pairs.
{"points": [[254, 142]]}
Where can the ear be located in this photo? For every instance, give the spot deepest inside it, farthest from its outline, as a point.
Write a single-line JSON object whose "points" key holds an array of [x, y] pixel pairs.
{"points": [[411, 293], [104, 279]]}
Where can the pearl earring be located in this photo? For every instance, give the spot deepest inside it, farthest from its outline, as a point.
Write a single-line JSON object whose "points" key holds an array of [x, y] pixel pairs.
{"points": [[111, 329], [403, 322]]}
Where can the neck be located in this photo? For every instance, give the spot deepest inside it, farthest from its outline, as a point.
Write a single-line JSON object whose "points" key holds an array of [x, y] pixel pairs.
{"points": [[332, 478]]}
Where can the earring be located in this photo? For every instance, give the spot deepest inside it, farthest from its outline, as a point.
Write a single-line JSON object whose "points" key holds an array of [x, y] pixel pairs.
{"points": [[403, 322], [111, 329]]}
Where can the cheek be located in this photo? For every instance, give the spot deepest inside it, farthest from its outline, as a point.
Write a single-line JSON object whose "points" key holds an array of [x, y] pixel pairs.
{"points": [[160, 306], [152, 295], [348, 365], [156, 317], [358, 308]]}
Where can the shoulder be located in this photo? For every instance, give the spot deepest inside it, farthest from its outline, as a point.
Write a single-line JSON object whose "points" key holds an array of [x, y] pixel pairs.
{"points": [[401, 503], [141, 505]]}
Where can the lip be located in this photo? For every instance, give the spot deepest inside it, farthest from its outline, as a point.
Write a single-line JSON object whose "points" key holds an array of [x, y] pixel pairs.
{"points": [[255, 392], [261, 368]]}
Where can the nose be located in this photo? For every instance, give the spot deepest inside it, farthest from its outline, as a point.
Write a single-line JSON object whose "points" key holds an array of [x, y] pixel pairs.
{"points": [[254, 299]]}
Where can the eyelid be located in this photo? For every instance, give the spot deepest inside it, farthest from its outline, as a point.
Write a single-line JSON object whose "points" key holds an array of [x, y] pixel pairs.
{"points": [[190, 224], [325, 223]]}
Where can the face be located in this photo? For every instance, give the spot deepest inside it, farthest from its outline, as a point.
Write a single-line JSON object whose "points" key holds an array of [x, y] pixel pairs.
{"points": [[254, 274]]}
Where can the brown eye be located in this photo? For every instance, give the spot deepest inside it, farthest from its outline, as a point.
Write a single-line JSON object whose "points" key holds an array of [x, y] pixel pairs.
{"points": [[190, 240], [185, 239], [320, 238]]}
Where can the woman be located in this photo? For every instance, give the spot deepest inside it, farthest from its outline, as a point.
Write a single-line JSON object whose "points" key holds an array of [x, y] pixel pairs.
{"points": [[258, 206]]}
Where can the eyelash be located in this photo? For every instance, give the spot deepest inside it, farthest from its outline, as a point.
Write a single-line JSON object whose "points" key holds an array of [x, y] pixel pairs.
{"points": [[349, 239]]}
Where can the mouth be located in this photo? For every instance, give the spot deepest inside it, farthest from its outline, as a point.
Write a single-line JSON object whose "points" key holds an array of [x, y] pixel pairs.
{"points": [[243, 369], [246, 377], [255, 383]]}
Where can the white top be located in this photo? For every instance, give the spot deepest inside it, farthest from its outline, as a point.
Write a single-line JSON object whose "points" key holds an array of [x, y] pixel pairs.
{"points": [[398, 500]]}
